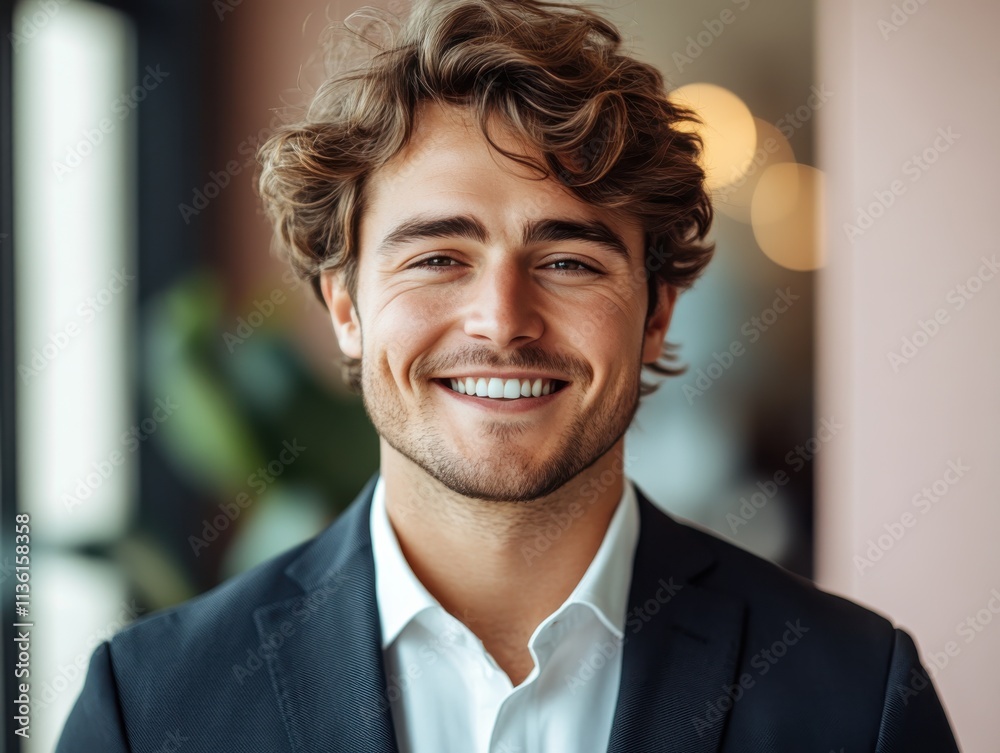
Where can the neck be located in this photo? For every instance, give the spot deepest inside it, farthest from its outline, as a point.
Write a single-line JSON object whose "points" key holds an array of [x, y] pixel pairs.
{"points": [[500, 567]]}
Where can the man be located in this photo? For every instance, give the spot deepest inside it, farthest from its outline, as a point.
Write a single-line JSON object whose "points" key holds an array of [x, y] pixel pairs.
{"points": [[499, 212]]}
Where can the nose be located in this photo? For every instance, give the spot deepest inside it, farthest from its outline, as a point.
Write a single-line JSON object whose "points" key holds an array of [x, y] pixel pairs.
{"points": [[502, 307]]}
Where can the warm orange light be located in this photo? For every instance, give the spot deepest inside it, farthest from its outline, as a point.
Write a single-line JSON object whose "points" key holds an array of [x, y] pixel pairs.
{"points": [[728, 131], [734, 199], [786, 214]]}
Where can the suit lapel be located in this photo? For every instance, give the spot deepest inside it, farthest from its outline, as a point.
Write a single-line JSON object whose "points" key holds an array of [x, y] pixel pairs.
{"points": [[681, 645], [323, 647]]}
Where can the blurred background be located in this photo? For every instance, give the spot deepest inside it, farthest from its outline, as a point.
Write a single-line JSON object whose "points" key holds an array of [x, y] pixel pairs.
{"points": [[838, 416]]}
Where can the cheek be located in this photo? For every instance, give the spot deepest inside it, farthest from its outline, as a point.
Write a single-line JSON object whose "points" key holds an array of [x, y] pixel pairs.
{"points": [[408, 325], [608, 324]]}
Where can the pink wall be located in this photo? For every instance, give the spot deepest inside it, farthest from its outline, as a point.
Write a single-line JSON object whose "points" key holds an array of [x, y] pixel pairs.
{"points": [[909, 139]]}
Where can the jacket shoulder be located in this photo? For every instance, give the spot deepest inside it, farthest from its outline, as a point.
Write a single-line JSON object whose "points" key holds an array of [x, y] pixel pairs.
{"points": [[219, 611], [228, 608], [841, 670], [768, 588]]}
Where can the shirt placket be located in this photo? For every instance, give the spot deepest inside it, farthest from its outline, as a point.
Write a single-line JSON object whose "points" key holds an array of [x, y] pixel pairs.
{"points": [[516, 729]]}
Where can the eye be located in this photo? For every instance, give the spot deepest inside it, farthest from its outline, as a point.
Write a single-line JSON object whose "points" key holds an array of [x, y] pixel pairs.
{"points": [[581, 268], [426, 263]]}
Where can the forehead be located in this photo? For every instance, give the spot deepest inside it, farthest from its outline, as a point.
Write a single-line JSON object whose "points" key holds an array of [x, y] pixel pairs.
{"points": [[449, 166]]}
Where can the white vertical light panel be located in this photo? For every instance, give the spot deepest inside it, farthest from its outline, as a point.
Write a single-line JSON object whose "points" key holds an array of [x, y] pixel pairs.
{"points": [[74, 184], [74, 202]]}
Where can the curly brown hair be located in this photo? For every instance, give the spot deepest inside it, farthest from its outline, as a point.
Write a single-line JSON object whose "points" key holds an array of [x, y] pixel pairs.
{"points": [[553, 74]]}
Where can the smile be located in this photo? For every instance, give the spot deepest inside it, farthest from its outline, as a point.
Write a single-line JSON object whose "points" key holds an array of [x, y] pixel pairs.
{"points": [[503, 389]]}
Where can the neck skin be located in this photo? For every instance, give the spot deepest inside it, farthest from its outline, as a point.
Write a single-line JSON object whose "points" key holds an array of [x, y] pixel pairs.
{"points": [[483, 561]]}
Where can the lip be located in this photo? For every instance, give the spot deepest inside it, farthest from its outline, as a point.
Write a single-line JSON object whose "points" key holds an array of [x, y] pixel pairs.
{"points": [[496, 405], [502, 375]]}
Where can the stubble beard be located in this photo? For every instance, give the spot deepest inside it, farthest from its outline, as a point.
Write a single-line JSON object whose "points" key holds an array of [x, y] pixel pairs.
{"points": [[510, 472]]}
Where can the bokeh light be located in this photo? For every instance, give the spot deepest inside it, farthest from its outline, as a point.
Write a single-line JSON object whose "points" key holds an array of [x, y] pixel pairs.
{"points": [[734, 199], [786, 214], [728, 131]]}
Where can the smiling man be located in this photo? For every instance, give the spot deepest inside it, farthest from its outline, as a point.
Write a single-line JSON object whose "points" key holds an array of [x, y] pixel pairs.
{"points": [[499, 211], [496, 413]]}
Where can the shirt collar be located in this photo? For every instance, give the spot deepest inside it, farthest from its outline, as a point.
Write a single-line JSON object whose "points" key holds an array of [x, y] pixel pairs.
{"points": [[604, 586]]}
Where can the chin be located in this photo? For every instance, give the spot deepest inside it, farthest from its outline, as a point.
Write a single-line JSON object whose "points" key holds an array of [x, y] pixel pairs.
{"points": [[491, 477]]}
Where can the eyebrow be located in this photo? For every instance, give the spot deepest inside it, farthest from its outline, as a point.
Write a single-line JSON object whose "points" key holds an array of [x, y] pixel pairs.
{"points": [[537, 231]]}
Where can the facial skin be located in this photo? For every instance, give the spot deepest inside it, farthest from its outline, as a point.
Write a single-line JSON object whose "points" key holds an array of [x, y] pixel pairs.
{"points": [[487, 306], [470, 482]]}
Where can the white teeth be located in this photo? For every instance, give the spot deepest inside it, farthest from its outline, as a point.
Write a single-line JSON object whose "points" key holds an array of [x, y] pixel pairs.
{"points": [[495, 388], [509, 389]]}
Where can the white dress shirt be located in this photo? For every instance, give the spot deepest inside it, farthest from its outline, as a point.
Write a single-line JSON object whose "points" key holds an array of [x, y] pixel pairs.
{"points": [[448, 695]]}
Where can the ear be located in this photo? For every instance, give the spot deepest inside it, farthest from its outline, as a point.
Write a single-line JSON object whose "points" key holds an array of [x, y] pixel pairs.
{"points": [[343, 314], [659, 322]]}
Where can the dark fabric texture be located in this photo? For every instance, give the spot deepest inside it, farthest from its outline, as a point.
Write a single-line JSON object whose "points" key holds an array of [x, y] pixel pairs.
{"points": [[724, 653]]}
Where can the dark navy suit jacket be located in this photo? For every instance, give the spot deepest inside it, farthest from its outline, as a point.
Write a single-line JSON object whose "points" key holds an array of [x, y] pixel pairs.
{"points": [[724, 652]]}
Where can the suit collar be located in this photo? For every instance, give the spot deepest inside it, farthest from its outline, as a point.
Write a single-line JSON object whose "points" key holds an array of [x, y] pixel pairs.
{"points": [[335, 547], [326, 667], [682, 642]]}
